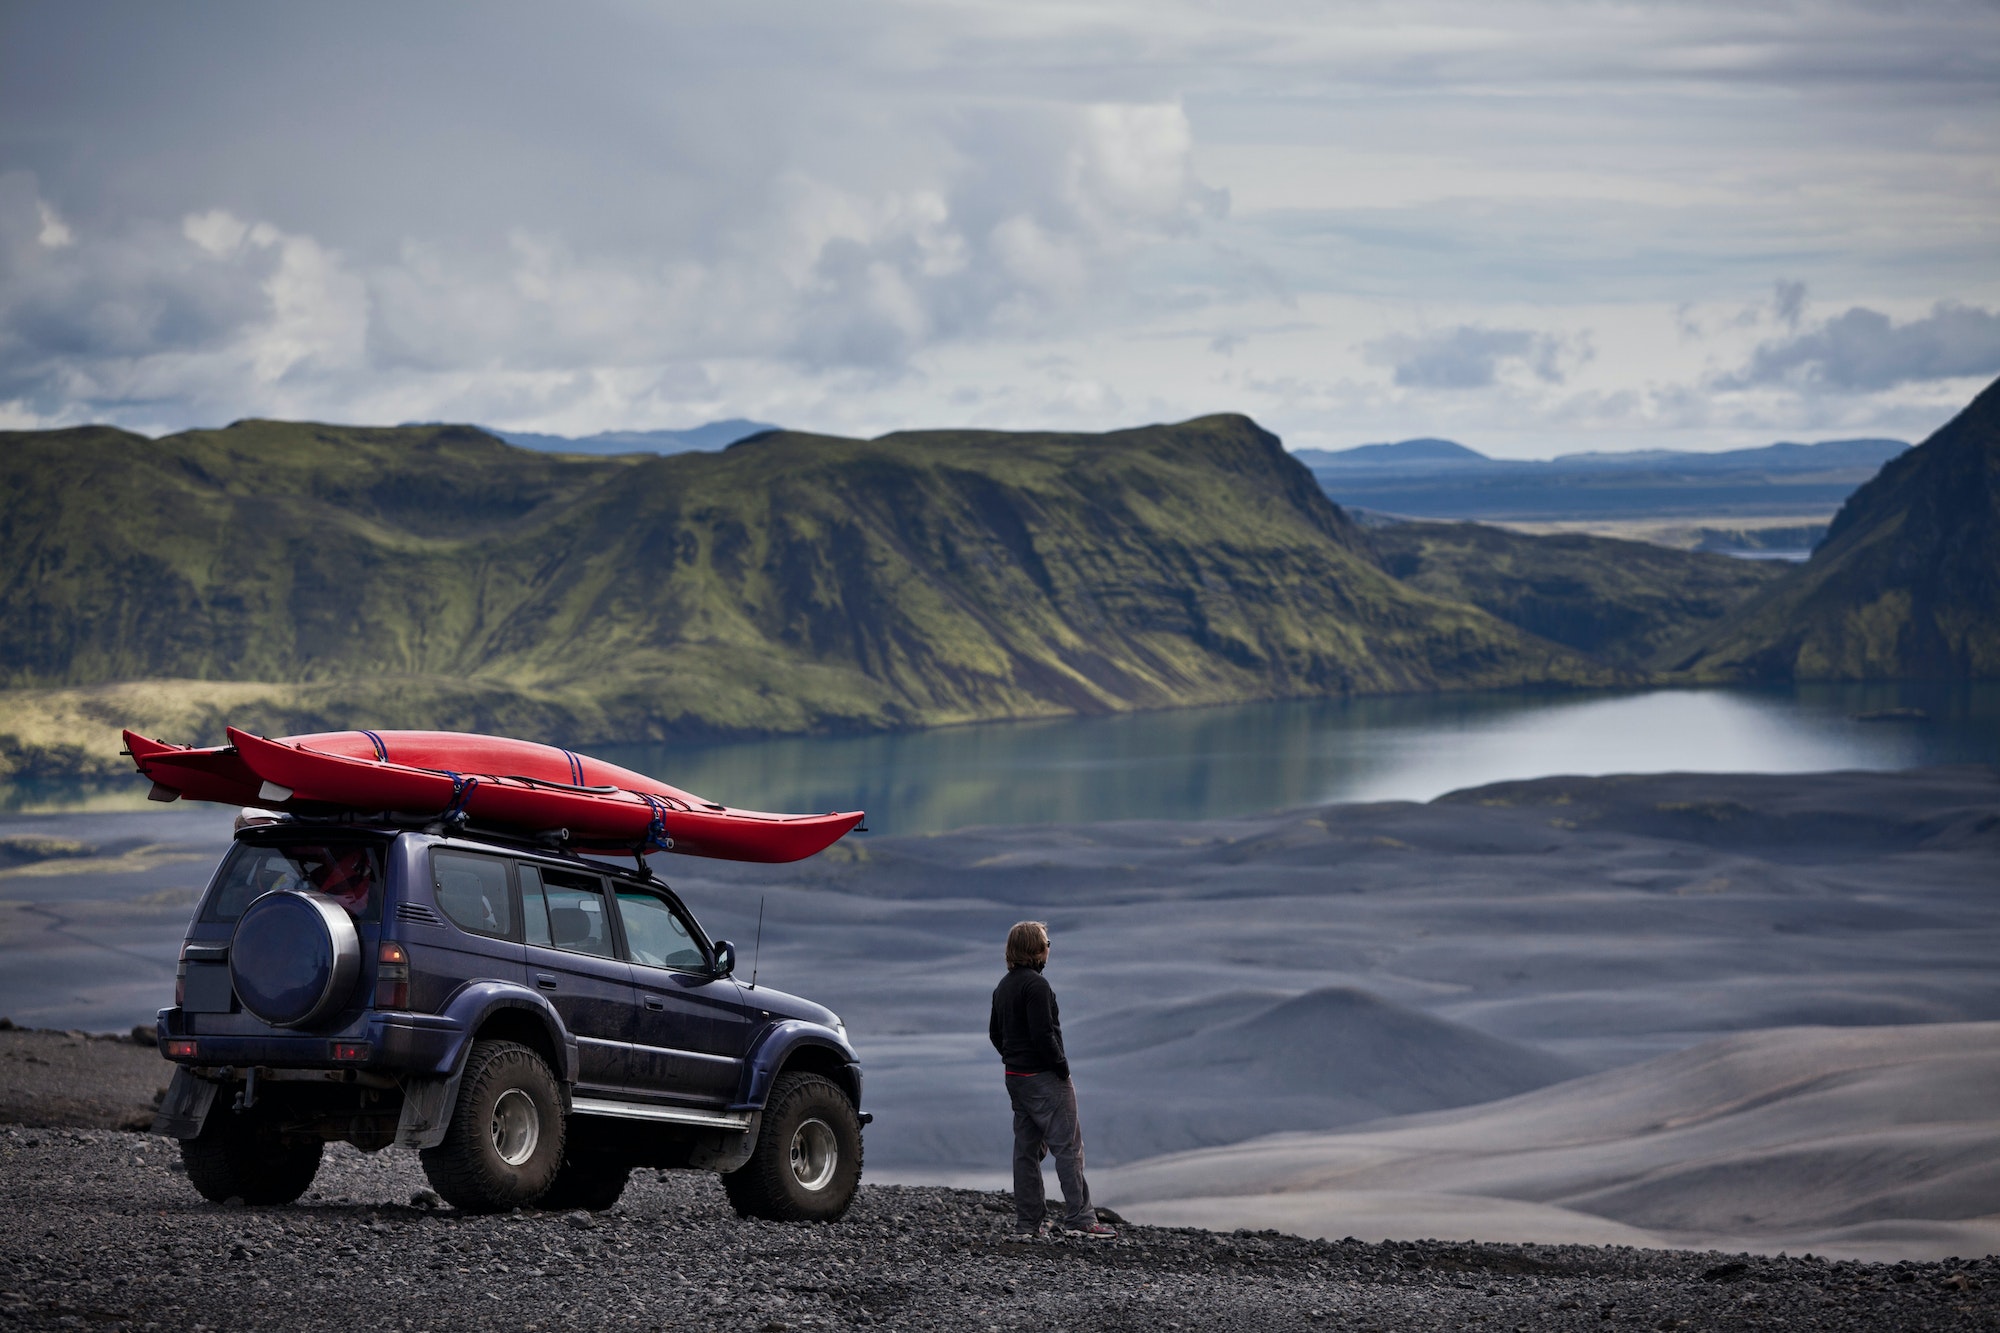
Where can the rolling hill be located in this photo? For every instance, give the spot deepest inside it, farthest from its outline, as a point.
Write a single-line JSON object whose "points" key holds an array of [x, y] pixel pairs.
{"points": [[1625, 602], [437, 576], [1906, 584]]}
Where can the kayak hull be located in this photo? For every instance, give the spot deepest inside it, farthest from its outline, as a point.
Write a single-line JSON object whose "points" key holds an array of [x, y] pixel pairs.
{"points": [[490, 781]]}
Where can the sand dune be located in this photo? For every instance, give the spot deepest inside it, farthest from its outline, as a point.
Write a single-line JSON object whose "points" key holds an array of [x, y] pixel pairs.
{"points": [[1327, 1057], [1854, 1141], [1312, 969]]}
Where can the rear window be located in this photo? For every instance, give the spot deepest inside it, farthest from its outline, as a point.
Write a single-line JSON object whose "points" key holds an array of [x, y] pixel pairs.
{"points": [[473, 891], [348, 872]]}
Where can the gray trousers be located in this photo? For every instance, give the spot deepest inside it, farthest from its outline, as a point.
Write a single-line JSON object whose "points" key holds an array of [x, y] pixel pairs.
{"points": [[1045, 1122]]}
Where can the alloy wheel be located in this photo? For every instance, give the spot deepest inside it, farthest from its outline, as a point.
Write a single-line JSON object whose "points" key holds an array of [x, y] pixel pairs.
{"points": [[517, 1127], [815, 1154]]}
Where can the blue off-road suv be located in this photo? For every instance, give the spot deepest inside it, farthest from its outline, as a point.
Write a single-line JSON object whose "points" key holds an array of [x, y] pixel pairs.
{"points": [[535, 1022]]}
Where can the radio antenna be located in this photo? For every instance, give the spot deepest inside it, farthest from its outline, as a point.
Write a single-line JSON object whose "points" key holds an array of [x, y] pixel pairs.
{"points": [[757, 949]]}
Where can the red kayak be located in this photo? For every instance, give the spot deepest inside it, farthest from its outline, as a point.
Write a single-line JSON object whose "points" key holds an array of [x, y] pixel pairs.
{"points": [[488, 780]]}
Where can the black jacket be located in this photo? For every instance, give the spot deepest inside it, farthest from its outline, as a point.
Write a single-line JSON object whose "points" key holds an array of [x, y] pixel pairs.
{"points": [[1027, 1026]]}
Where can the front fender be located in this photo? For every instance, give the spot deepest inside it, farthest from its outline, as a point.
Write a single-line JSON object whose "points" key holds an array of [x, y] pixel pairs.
{"points": [[777, 1044]]}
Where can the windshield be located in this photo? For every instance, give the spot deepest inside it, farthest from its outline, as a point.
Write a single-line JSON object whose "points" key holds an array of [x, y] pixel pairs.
{"points": [[350, 873]]}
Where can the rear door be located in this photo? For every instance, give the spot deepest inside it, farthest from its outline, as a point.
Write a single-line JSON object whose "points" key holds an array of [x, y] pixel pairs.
{"points": [[572, 957], [693, 1027]]}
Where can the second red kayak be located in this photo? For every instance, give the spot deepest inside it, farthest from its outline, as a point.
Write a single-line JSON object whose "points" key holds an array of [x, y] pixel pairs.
{"points": [[490, 780]]}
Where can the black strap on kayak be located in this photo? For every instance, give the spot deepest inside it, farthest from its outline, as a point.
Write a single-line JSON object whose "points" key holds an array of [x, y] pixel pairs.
{"points": [[381, 750]]}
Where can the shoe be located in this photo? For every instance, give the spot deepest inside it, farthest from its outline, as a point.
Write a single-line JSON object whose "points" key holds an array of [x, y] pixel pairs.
{"points": [[1021, 1237], [1095, 1231]]}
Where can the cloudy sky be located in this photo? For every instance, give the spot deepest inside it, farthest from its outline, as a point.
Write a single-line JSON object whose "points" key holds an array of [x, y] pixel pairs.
{"points": [[1528, 226]]}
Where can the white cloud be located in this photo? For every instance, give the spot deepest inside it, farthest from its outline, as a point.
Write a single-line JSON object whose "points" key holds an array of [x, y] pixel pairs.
{"points": [[1364, 219], [217, 231], [1471, 356], [55, 233], [1864, 350]]}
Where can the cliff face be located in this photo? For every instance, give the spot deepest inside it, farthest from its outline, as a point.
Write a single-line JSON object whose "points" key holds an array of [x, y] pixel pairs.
{"points": [[436, 576], [1907, 583]]}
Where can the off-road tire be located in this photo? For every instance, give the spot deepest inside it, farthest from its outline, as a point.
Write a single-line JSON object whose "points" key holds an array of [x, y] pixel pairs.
{"points": [[508, 1093], [808, 1112], [590, 1182], [235, 1157]]}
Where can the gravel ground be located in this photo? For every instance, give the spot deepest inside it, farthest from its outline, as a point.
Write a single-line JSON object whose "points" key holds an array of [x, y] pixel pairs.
{"points": [[101, 1229]]}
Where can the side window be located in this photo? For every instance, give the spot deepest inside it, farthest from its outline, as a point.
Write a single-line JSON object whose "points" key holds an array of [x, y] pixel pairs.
{"points": [[534, 907], [656, 936], [473, 892], [577, 921]]}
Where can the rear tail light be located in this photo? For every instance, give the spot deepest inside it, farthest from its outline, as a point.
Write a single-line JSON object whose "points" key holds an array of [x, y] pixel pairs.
{"points": [[181, 978], [351, 1052], [392, 977], [180, 1048]]}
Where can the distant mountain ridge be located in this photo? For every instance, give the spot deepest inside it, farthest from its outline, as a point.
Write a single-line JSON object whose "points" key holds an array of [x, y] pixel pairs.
{"points": [[1440, 479], [712, 435], [1423, 455], [1417, 455]]}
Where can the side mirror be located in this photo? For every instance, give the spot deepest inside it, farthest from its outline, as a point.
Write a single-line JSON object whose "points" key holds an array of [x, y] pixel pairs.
{"points": [[725, 958]]}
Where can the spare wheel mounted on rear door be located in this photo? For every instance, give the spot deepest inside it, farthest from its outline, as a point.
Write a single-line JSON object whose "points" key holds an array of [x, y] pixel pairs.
{"points": [[294, 958]]}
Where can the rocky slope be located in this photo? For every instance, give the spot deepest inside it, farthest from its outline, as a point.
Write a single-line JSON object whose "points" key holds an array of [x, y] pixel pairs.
{"points": [[101, 1230]]}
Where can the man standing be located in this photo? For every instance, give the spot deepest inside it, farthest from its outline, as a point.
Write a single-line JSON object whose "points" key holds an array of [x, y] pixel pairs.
{"points": [[1027, 1031]]}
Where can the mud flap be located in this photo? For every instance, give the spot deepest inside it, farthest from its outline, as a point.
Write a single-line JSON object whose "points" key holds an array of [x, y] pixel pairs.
{"points": [[723, 1151], [427, 1107], [184, 1110]]}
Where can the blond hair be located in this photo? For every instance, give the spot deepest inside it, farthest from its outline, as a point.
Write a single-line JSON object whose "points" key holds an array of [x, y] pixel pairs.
{"points": [[1027, 942]]}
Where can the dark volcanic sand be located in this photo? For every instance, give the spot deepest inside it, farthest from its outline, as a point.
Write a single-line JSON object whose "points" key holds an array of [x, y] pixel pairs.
{"points": [[79, 1080], [101, 1230]]}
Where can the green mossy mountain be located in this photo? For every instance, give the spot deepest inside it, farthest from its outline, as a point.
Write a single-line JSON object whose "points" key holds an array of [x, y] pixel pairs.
{"points": [[1625, 602], [1906, 584], [435, 576]]}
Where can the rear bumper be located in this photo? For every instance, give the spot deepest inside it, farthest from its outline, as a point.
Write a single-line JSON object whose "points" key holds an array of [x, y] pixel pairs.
{"points": [[424, 1045]]}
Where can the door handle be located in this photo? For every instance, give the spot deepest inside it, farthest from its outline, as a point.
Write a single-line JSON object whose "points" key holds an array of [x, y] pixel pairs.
{"points": [[655, 1003], [545, 981]]}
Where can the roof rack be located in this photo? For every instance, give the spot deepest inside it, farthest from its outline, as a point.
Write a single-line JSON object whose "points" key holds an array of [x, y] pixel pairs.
{"points": [[546, 842]]}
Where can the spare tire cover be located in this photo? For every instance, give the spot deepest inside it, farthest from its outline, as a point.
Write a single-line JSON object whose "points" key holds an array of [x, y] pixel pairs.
{"points": [[294, 958]]}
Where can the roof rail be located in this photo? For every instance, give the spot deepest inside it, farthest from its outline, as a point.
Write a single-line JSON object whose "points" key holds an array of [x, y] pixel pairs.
{"points": [[546, 842]]}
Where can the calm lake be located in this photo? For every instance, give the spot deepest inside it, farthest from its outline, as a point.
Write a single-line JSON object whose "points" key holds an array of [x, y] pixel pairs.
{"points": [[1196, 763]]}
